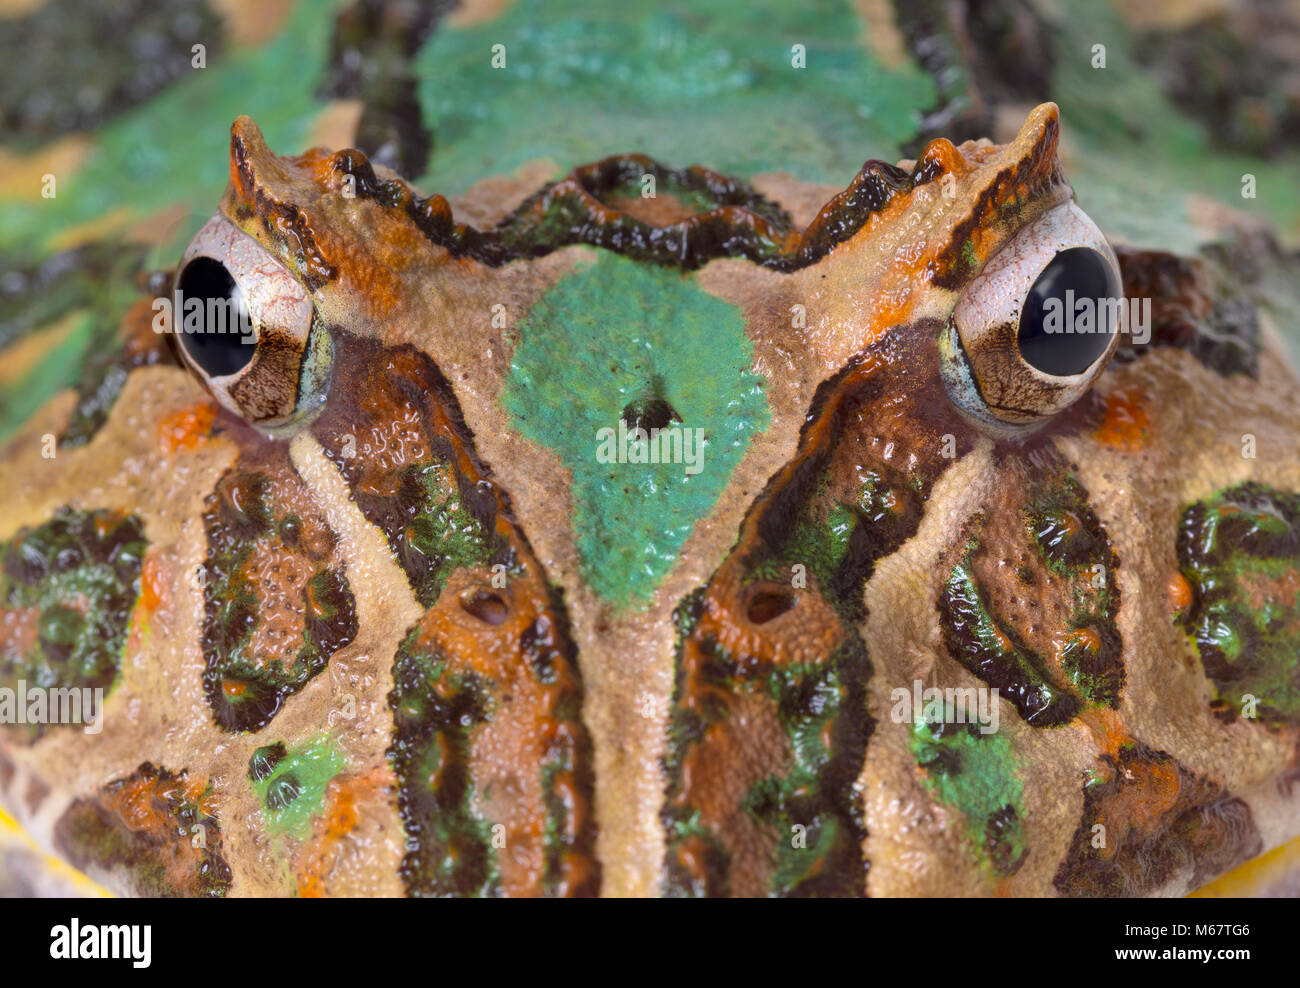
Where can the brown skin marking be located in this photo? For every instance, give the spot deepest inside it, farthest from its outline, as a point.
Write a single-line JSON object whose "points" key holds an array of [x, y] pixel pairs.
{"points": [[1028, 597], [508, 750], [1176, 286], [1198, 307], [718, 772], [261, 509], [1159, 820], [400, 411], [144, 823], [278, 572], [1047, 615]]}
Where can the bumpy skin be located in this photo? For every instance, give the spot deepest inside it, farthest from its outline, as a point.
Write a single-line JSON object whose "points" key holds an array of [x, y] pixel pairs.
{"points": [[367, 658]]}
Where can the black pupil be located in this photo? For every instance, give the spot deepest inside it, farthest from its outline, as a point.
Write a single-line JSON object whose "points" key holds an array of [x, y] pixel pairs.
{"points": [[1058, 333], [213, 337]]}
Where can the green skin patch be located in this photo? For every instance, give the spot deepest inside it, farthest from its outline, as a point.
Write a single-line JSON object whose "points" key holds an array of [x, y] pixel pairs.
{"points": [[74, 582], [978, 775], [617, 334], [713, 85], [1240, 552], [290, 784]]}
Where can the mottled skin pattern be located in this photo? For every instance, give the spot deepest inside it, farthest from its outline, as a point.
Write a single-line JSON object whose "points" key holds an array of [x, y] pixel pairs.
{"points": [[397, 580]]}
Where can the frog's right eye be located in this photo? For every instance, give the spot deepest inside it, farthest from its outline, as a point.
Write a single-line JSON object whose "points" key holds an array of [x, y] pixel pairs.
{"points": [[1035, 328], [248, 330]]}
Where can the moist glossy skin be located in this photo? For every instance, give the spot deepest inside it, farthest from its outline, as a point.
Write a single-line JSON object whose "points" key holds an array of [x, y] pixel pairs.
{"points": [[418, 644]]}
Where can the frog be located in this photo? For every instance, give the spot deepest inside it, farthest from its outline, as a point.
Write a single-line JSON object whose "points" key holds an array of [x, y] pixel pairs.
{"points": [[639, 532]]}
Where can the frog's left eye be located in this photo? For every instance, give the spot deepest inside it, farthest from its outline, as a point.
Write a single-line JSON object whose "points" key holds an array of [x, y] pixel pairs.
{"points": [[1036, 327], [247, 329]]}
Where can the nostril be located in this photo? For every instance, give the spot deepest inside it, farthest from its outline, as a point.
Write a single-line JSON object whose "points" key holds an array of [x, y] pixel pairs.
{"points": [[769, 604], [487, 607]]}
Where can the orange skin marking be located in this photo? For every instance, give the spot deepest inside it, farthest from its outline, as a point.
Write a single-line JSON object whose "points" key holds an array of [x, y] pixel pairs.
{"points": [[340, 819], [316, 606], [150, 598], [1089, 637], [1151, 789], [143, 804], [104, 523], [150, 585], [1086, 636], [233, 688], [1107, 728], [1126, 422], [944, 154], [199, 793], [1070, 522], [1179, 592], [187, 428], [348, 798], [1003, 640]]}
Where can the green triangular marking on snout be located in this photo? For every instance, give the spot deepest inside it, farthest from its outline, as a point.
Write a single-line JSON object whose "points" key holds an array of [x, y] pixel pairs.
{"points": [[613, 335]]}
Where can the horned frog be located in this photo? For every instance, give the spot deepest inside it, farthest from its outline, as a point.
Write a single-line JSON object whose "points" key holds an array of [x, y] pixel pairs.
{"points": [[644, 540]]}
